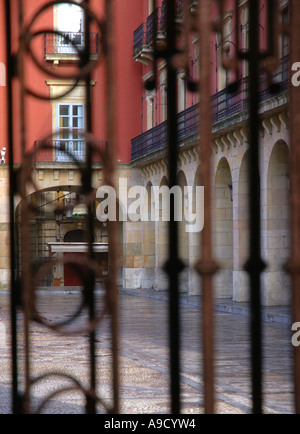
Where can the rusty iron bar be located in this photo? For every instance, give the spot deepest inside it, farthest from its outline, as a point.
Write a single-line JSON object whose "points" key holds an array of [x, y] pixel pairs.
{"points": [[293, 265], [109, 178], [16, 398], [207, 266], [90, 288], [26, 276]]}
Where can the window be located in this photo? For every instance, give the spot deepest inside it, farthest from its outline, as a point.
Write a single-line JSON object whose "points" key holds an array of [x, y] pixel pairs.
{"points": [[70, 22], [70, 122], [69, 18], [245, 35], [150, 109], [182, 91]]}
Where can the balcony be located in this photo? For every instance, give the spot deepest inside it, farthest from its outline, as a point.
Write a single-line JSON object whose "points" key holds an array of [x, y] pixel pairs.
{"points": [[66, 151], [141, 51], [69, 45], [144, 35], [224, 106]]}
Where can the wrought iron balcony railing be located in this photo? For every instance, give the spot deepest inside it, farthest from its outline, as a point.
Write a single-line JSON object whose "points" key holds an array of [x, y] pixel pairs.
{"points": [[69, 43], [224, 105], [156, 138], [65, 150], [152, 22], [144, 35], [138, 39]]}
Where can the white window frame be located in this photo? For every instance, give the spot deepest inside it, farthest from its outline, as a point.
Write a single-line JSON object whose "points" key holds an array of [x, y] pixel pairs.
{"points": [[75, 148]]}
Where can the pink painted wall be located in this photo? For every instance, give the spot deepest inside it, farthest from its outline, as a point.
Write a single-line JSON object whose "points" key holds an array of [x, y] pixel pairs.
{"points": [[38, 111], [128, 84], [130, 114]]}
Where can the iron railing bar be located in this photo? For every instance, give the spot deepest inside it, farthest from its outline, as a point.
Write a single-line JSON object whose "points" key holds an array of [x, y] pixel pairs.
{"points": [[109, 175], [206, 267], [90, 288], [16, 400], [25, 236], [172, 267], [294, 260], [254, 265]]}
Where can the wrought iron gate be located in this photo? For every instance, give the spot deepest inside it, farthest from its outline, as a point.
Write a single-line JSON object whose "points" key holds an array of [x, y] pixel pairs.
{"points": [[23, 284]]}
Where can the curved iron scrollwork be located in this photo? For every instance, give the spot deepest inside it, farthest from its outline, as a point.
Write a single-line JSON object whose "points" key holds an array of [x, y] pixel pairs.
{"points": [[25, 283]]}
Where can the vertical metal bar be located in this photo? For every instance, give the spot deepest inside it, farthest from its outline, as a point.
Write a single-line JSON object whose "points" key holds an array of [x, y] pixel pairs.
{"points": [[173, 267], [91, 404], [109, 175], [254, 265], [206, 266], [16, 404], [25, 237], [294, 261]]}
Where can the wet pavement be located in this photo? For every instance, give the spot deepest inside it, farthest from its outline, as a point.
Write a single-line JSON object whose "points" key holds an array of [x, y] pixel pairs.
{"points": [[144, 355]]}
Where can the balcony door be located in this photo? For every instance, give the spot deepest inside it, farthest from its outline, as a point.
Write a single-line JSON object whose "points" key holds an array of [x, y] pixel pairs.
{"points": [[70, 122], [70, 23]]}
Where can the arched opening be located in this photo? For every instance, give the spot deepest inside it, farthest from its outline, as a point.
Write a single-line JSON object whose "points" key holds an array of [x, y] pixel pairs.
{"points": [[52, 234], [223, 230], [277, 226], [76, 236]]}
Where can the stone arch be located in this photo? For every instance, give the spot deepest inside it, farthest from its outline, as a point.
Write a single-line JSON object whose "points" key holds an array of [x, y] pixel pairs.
{"points": [[76, 236], [163, 181], [223, 229], [45, 231], [277, 236]]}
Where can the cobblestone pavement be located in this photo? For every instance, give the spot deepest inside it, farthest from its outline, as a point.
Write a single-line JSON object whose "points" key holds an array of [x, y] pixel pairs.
{"points": [[144, 359]]}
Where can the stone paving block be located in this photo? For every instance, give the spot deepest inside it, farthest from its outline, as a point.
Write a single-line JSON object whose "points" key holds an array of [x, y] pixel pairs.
{"points": [[144, 356]]}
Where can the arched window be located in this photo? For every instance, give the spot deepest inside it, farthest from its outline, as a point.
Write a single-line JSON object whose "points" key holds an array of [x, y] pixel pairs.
{"points": [[76, 236]]}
